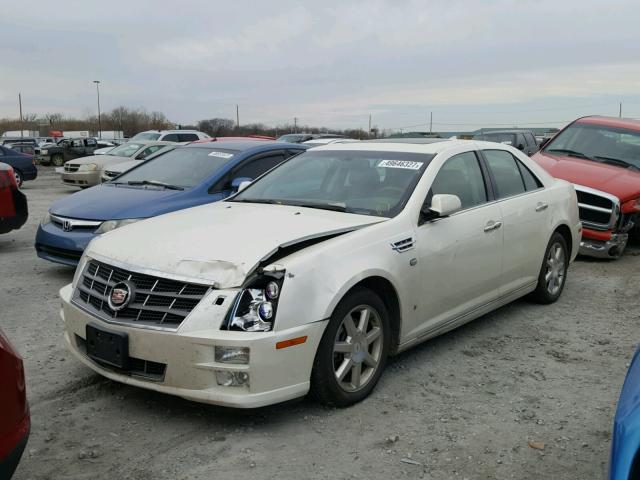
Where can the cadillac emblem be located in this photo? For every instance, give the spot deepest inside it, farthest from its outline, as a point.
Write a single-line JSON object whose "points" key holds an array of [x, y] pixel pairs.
{"points": [[120, 295]]}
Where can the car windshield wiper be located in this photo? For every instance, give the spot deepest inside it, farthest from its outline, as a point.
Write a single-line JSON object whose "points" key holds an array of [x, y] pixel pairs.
{"points": [[571, 153], [321, 206], [617, 161], [257, 200], [155, 183]]}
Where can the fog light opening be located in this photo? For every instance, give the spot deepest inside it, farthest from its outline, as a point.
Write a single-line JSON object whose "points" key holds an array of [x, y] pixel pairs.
{"points": [[227, 378]]}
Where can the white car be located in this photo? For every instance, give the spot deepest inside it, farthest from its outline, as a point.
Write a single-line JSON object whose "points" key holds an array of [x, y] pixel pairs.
{"points": [[312, 275], [179, 136], [316, 142]]}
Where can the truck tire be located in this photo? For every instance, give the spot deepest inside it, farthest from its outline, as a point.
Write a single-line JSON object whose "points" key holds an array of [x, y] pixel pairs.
{"points": [[57, 160]]}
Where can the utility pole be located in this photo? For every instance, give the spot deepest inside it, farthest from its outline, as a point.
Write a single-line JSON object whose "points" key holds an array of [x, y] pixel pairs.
{"points": [[431, 123], [369, 132], [21, 124], [620, 111], [237, 116], [295, 124], [97, 82]]}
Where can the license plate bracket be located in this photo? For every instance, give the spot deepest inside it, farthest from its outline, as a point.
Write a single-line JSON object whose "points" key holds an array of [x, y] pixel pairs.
{"points": [[107, 346]]}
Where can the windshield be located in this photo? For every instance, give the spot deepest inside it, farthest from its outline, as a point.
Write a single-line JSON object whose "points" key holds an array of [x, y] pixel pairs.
{"points": [[599, 143], [146, 136], [182, 167], [506, 138], [362, 182], [125, 150]]}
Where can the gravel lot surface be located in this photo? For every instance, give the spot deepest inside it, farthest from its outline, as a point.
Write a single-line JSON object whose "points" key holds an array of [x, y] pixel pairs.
{"points": [[526, 392]]}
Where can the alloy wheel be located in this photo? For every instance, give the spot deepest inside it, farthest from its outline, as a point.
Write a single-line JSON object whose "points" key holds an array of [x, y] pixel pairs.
{"points": [[556, 265], [357, 349]]}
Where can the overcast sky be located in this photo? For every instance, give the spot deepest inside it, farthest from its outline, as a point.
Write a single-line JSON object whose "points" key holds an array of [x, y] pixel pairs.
{"points": [[332, 63]]}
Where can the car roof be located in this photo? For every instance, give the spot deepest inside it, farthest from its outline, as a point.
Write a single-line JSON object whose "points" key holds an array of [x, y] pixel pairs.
{"points": [[510, 130], [419, 145], [241, 145], [615, 122]]}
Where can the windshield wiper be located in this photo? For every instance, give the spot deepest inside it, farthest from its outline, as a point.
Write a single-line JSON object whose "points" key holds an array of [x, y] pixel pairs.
{"points": [[321, 206], [617, 161], [155, 183], [571, 153], [257, 200]]}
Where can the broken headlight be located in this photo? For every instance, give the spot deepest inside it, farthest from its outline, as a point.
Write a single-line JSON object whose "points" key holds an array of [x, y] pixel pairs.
{"points": [[255, 307]]}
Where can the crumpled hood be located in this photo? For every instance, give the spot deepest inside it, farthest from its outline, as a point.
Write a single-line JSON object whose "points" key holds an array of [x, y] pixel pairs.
{"points": [[218, 243], [621, 182]]}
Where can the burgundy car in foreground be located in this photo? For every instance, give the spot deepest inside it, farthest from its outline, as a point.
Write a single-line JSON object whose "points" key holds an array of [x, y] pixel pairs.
{"points": [[13, 203], [14, 410]]}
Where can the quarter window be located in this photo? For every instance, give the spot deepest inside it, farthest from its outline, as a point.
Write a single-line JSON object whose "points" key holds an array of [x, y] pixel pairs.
{"points": [[461, 175], [507, 173]]}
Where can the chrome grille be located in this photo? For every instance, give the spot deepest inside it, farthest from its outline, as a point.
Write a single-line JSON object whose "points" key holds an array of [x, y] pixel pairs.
{"points": [[69, 167], [156, 301], [598, 210]]}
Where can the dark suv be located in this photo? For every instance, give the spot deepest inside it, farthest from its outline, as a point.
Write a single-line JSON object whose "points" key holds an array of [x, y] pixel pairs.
{"points": [[523, 140]]}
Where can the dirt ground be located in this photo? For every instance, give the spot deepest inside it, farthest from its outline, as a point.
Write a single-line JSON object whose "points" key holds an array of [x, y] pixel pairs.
{"points": [[468, 405]]}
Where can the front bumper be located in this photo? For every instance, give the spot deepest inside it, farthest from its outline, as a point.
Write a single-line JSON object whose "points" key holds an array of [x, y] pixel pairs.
{"points": [[58, 246], [184, 363], [81, 179], [604, 248]]}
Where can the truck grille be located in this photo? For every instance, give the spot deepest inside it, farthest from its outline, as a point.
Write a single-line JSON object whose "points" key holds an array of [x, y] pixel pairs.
{"points": [[598, 210], [155, 301], [69, 167]]}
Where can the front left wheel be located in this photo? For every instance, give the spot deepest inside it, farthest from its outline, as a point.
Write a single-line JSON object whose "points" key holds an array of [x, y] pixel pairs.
{"points": [[553, 273], [353, 350]]}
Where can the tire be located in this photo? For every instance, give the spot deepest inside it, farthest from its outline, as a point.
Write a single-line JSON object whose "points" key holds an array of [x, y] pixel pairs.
{"points": [[57, 160], [366, 355], [18, 175], [553, 272]]}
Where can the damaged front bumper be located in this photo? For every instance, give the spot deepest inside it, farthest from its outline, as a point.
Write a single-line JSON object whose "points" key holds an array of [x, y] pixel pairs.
{"points": [[611, 248], [183, 362]]}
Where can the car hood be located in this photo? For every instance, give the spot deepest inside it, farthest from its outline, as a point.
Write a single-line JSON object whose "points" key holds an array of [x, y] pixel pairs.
{"points": [[221, 243], [124, 166], [109, 202], [100, 160], [621, 182]]}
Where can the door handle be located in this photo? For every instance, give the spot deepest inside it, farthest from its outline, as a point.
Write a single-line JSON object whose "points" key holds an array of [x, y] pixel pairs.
{"points": [[541, 206], [490, 226]]}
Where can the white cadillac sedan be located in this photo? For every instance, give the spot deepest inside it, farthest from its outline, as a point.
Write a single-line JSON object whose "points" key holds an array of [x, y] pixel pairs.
{"points": [[310, 277]]}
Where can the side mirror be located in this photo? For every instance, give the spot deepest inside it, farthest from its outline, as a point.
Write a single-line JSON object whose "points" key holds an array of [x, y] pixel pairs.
{"points": [[240, 183], [543, 143], [520, 146], [443, 205]]}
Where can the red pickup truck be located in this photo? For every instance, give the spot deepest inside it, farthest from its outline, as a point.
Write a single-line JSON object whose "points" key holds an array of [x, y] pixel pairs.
{"points": [[601, 157]]}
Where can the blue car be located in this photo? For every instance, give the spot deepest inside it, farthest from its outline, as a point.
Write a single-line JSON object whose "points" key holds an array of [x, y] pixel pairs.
{"points": [[184, 177], [22, 164], [625, 444]]}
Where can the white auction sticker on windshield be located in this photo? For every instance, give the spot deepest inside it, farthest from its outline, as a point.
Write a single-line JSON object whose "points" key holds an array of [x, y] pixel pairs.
{"points": [[400, 164], [221, 154]]}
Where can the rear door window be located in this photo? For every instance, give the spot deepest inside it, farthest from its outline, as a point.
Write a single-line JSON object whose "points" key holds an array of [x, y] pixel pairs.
{"points": [[506, 173], [171, 137]]}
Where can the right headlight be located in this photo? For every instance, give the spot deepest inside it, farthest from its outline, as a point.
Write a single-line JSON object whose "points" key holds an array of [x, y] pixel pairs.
{"points": [[255, 307], [113, 224]]}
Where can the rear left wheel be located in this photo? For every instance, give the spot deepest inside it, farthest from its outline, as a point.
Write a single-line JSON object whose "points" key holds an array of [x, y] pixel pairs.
{"points": [[353, 350]]}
